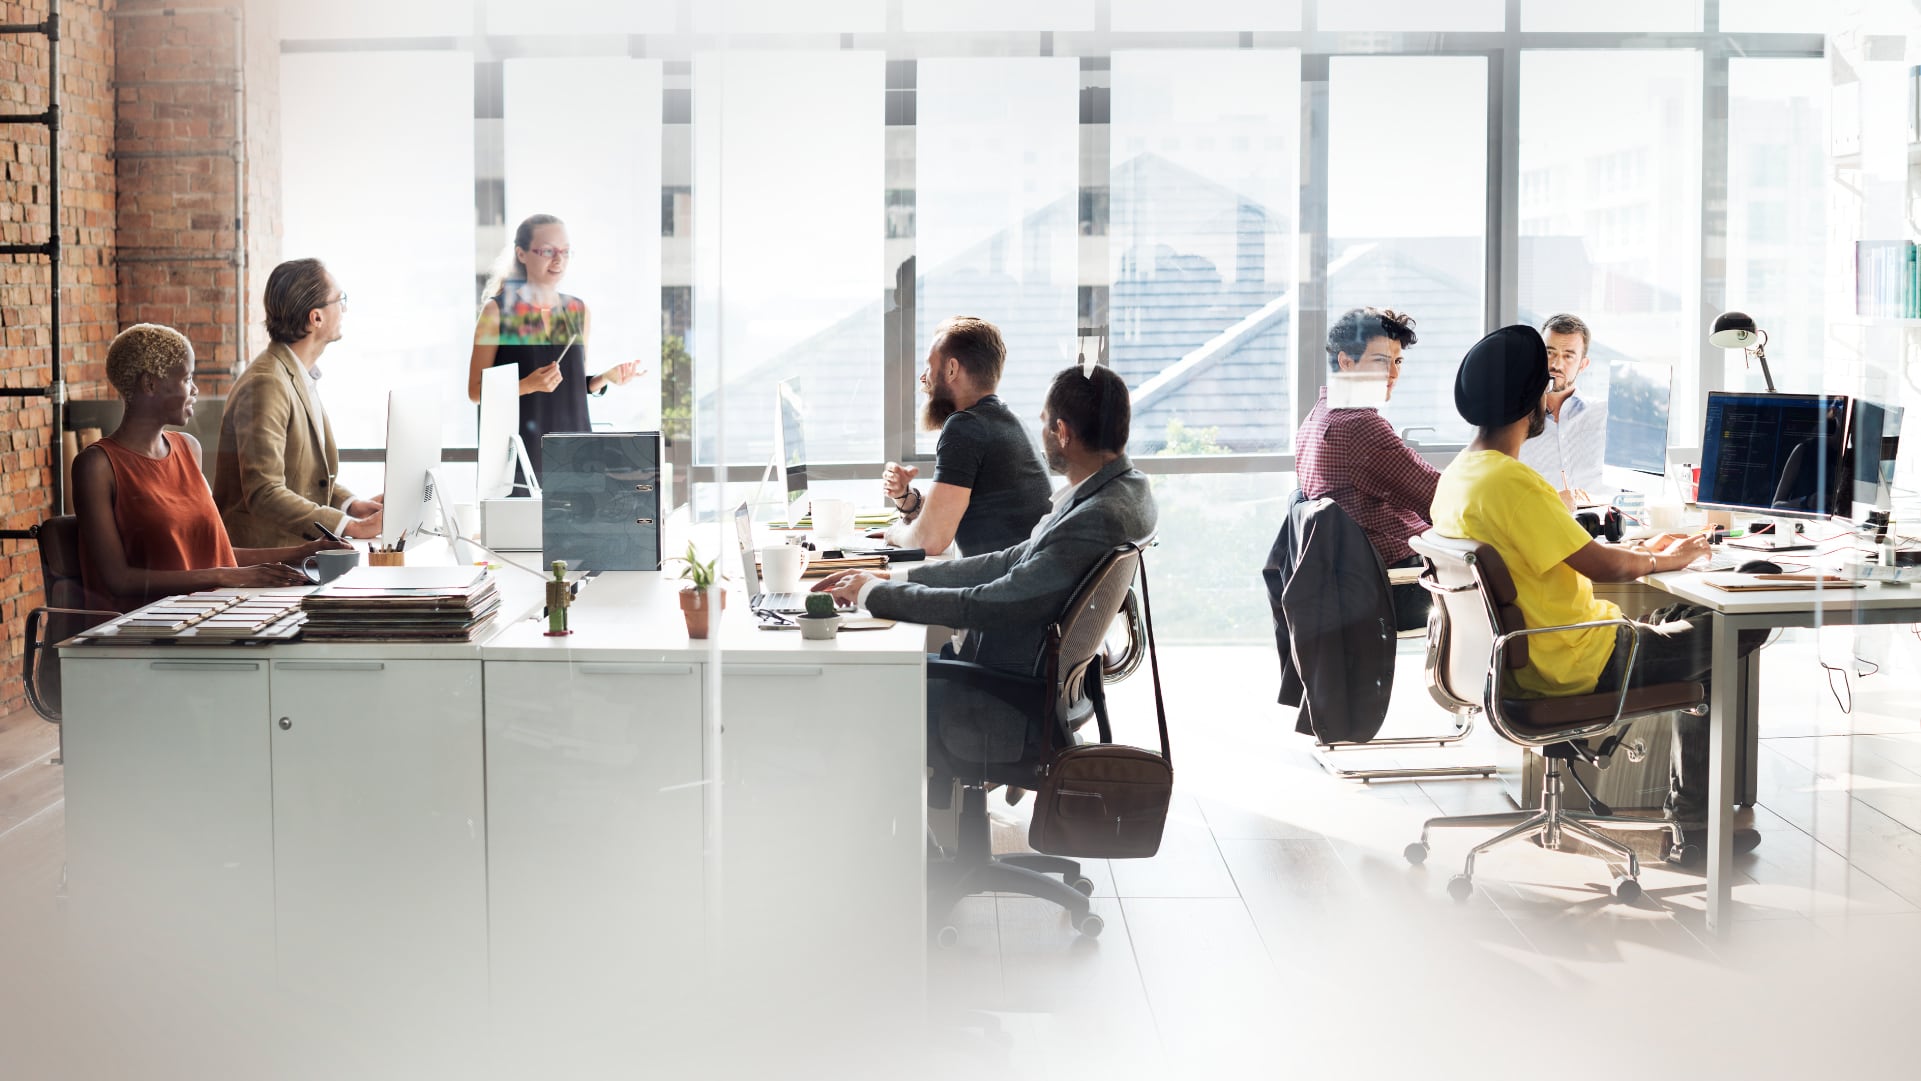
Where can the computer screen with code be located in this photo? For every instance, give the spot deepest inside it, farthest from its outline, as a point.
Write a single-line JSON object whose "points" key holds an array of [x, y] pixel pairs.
{"points": [[1778, 454]]}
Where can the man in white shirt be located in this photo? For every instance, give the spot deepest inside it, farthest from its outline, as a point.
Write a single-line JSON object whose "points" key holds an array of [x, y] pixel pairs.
{"points": [[1569, 453]]}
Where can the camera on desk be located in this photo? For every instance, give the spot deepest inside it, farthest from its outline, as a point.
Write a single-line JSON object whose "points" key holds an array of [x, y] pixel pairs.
{"points": [[1602, 523]]}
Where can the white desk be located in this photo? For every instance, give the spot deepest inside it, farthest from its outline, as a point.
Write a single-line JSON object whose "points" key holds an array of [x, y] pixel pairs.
{"points": [[606, 828], [1737, 612]]}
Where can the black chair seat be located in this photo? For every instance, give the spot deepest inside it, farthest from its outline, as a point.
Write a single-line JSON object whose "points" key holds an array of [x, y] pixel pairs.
{"points": [[1547, 715]]}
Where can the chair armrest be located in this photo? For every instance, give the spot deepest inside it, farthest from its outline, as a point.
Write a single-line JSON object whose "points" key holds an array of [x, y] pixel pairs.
{"points": [[1026, 693], [1500, 646], [36, 618]]}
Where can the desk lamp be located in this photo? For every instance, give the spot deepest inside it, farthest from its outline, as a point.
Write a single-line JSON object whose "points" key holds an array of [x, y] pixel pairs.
{"points": [[1736, 330]]}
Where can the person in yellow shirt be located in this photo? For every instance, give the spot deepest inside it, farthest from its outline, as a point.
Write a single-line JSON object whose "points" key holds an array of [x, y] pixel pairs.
{"points": [[1487, 494]]}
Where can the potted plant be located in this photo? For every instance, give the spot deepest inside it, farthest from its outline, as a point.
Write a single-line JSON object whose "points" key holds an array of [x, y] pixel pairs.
{"points": [[700, 602], [821, 622]]}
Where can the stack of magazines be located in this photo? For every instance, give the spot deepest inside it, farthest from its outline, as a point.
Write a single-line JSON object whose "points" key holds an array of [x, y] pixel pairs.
{"points": [[403, 604]]}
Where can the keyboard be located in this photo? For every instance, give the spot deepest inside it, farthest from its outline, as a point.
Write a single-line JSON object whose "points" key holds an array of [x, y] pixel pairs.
{"points": [[1719, 560], [784, 603]]}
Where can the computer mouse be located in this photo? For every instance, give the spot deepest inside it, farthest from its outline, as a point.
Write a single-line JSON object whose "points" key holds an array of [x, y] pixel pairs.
{"points": [[1759, 566]]}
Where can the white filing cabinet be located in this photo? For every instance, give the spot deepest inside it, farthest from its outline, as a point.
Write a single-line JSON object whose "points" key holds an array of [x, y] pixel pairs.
{"points": [[169, 814], [594, 843], [823, 785], [379, 828]]}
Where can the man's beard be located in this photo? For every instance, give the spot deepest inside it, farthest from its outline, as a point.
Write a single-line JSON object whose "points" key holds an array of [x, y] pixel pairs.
{"points": [[1537, 422], [940, 405], [1056, 457]]}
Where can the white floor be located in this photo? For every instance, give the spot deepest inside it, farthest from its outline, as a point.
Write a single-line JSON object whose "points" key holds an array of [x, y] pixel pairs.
{"points": [[1280, 929]]}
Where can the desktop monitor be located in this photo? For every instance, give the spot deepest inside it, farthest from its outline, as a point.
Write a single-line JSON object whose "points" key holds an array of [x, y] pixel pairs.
{"points": [[790, 450], [1874, 440], [1774, 454], [413, 448], [1637, 419], [499, 446]]}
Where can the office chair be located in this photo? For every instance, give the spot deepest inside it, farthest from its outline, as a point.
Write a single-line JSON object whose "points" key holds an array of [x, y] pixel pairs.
{"points": [[1064, 691], [1476, 638], [63, 616], [1377, 645]]}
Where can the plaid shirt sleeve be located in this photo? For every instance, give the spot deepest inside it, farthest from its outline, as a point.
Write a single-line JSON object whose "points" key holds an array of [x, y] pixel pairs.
{"points": [[1393, 473]]}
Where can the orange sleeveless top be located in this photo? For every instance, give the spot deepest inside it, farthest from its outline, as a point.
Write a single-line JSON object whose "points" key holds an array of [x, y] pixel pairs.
{"points": [[164, 513]]}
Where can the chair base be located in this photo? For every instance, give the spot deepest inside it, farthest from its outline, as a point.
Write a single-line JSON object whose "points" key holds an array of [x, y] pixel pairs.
{"points": [[1323, 754], [975, 869], [1553, 823]]}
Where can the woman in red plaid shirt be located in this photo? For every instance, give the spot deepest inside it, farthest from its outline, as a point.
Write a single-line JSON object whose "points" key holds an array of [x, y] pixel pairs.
{"points": [[1352, 455]]}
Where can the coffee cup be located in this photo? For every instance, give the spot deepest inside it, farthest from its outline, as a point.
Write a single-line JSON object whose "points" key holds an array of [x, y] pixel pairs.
{"points": [[833, 521], [781, 567], [330, 564]]}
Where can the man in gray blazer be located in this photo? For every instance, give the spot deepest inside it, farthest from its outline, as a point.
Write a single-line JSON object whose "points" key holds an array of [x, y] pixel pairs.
{"points": [[1005, 600]]}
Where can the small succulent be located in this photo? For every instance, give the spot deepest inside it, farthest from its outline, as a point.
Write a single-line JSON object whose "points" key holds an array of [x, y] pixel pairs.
{"points": [[695, 570], [820, 604]]}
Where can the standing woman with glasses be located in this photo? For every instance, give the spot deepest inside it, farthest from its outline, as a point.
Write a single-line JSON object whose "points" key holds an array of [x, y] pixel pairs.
{"points": [[525, 320]]}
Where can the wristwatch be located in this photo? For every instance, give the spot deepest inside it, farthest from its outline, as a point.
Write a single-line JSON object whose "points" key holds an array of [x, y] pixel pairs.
{"points": [[901, 503]]}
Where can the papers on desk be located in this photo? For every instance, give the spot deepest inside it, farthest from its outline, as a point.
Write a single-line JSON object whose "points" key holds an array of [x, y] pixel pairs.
{"points": [[1756, 583], [403, 604], [1875, 572]]}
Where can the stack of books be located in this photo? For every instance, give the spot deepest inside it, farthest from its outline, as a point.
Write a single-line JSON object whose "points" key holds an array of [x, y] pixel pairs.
{"points": [[1887, 279], [403, 604]]}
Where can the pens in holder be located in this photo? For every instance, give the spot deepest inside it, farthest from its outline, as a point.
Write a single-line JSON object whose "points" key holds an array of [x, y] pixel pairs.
{"points": [[385, 555]]}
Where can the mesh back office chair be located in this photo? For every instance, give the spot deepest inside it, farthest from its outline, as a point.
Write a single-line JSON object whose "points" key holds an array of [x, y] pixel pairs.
{"points": [[1062, 694], [1476, 639], [64, 615]]}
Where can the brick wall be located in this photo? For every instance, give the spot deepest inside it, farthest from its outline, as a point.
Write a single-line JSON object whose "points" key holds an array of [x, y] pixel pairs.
{"points": [[150, 128], [89, 300]]}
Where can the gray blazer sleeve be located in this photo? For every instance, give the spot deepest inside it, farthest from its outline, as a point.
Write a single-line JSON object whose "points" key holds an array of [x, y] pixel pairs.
{"points": [[1003, 587], [969, 570]]}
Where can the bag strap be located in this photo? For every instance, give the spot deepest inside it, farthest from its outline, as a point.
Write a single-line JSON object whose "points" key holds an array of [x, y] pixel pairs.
{"points": [[1153, 658]]}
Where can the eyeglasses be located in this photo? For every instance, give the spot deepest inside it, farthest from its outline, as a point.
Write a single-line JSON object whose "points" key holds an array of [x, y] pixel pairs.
{"points": [[340, 300], [547, 252]]}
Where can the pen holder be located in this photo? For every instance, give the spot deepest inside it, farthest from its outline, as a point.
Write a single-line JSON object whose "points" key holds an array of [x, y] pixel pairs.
{"points": [[386, 559]]}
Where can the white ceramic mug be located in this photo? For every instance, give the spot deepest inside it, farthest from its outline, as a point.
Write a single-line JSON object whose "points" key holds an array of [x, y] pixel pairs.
{"points": [[781, 567], [325, 566], [833, 521]]}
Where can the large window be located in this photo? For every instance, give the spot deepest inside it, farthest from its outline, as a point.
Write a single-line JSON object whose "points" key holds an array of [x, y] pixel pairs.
{"points": [[378, 152], [1777, 221], [1407, 215], [788, 261], [998, 236], [1204, 189], [1414, 15], [1610, 209], [599, 171]]}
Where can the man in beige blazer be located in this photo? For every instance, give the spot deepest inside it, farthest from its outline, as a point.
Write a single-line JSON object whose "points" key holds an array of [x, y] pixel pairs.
{"points": [[274, 472]]}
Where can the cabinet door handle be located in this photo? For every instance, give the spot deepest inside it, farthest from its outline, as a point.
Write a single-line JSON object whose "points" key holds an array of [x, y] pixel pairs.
{"points": [[329, 666], [772, 670], [204, 666], [622, 668], [286, 724]]}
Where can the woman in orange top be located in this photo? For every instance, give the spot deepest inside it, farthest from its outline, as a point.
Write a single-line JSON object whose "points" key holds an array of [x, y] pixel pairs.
{"points": [[148, 525]]}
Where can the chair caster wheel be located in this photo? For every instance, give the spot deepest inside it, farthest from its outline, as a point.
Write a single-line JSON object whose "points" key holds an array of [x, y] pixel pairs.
{"points": [[1687, 855], [1082, 885], [1460, 887], [947, 937], [1627, 890], [1416, 853], [1091, 925]]}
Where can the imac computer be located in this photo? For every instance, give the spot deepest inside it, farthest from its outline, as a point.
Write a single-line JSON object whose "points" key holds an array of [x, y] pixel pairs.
{"points": [[1874, 441], [1777, 455], [790, 450], [1637, 420], [413, 449], [501, 448]]}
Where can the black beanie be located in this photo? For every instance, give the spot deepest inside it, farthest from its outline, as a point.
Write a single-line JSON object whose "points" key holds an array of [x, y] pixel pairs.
{"points": [[1502, 378]]}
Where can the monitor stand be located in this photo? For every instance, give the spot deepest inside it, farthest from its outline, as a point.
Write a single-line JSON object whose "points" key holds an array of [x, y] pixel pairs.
{"points": [[1783, 539], [517, 449]]}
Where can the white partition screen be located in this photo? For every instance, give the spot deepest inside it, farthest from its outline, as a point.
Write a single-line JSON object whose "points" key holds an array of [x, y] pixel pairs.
{"points": [[582, 17], [582, 141], [378, 152], [788, 260], [998, 210]]}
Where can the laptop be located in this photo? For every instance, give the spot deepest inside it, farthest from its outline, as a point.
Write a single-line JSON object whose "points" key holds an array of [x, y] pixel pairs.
{"points": [[786, 604]]}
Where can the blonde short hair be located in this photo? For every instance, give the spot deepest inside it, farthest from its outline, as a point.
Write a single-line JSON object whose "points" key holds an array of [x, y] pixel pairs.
{"points": [[145, 349]]}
